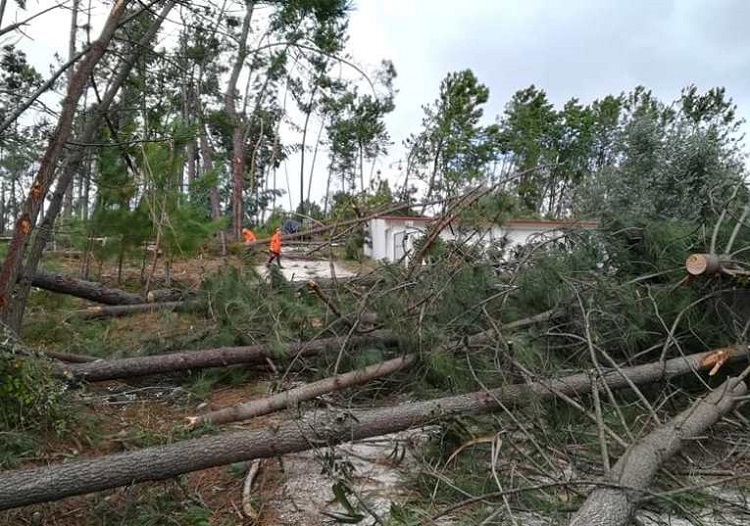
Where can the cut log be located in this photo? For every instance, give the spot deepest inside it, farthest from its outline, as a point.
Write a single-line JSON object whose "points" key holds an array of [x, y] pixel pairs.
{"points": [[87, 290], [615, 504], [320, 428], [706, 264], [162, 295], [70, 358], [114, 311], [292, 397], [219, 357]]}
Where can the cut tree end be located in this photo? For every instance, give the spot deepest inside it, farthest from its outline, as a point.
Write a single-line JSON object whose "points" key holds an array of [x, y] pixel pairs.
{"points": [[700, 264]]}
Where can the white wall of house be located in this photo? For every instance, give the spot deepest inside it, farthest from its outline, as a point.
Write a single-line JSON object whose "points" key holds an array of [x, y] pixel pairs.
{"points": [[390, 238]]}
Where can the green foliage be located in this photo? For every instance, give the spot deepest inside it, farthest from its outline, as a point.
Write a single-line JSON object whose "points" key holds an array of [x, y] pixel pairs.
{"points": [[31, 398], [252, 310], [356, 130], [454, 149]]}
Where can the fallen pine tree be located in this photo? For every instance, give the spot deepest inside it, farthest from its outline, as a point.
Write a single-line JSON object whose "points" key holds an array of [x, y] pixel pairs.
{"points": [[88, 290], [614, 503], [115, 311], [309, 391], [320, 428], [219, 357]]}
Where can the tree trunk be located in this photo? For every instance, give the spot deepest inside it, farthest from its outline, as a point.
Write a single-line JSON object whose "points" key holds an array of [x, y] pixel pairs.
{"points": [[238, 125], [208, 166], [68, 204], [116, 311], [292, 397], [70, 358], [615, 504], [87, 290], [320, 428], [43, 180], [219, 357]]}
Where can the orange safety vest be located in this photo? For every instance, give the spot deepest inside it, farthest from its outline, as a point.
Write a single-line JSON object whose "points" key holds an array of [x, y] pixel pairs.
{"points": [[249, 235], [276, 243]]}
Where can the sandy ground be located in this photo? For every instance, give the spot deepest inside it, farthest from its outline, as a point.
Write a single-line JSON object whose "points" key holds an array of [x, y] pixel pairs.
{"points": [[304, 270]]}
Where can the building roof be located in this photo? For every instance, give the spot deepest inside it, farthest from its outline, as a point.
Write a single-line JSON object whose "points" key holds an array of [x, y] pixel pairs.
{"points": [[528, 223]]}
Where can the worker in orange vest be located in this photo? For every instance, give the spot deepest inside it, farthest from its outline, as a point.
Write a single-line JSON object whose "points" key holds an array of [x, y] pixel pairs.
{"points": [[275, 248], [249, 236]]}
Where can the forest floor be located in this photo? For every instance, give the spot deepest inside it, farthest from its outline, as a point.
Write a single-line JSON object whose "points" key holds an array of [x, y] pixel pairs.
{"points": [[116, 416]]}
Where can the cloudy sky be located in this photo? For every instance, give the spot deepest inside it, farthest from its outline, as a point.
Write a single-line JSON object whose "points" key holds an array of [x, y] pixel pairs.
{"points": [[571, 48]]}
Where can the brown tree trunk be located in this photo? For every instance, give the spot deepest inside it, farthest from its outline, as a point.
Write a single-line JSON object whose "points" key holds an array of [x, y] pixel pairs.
{"points": [[68, 204], [292, 397], [87, 290], [116, 311], [238, 124], [219, 357], [44, 484], [615, 504], [44, 177]]}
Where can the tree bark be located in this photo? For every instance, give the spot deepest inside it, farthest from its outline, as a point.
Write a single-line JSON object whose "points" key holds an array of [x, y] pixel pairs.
{"points": [[116, 311], [238, 125], [219, 357], [44, 177], [87, 290], [305, 392], [632, 474], [321, 428], [68, 204]]}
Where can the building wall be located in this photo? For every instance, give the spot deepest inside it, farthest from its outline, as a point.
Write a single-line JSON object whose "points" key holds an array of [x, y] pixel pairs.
{"points": [[393, 237]]}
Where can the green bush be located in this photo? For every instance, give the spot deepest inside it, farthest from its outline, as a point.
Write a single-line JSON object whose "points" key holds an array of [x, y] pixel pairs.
{"points": [[30, 395]]}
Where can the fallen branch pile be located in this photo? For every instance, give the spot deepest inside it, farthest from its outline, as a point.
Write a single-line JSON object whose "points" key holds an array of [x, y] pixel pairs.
{"points": [[321, 428]]}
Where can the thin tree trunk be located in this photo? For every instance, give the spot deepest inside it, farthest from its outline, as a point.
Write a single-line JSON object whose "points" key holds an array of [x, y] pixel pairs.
{"points": [[302, 151], [208, 166], [87, 290], [43, 180], [630, 477], [44, 484], [312, 163], [220, 357], [238, 126], [292, 397], [116, 311], [68, 205]]}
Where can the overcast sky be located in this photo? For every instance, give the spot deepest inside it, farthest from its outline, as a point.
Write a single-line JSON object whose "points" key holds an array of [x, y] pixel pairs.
{"points": [[570, 48]]}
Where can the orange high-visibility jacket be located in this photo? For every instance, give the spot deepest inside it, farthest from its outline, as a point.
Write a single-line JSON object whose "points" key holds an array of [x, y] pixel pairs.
{"points": [[276, 242], [249, 235]]}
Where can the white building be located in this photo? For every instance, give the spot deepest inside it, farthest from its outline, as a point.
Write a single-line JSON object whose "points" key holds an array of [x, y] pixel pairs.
{"points": [[392, 237]]}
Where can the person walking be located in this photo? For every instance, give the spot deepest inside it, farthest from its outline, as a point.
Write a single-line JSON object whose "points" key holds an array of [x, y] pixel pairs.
{"points": [[275, 249]]}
